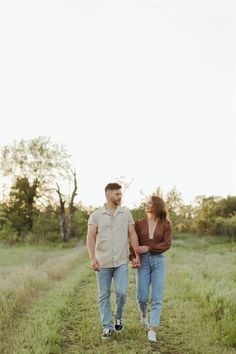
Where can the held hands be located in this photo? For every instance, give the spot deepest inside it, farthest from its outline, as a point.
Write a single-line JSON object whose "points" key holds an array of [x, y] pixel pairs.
{"points": [[136, 263], [142, 249], [95, 264]]}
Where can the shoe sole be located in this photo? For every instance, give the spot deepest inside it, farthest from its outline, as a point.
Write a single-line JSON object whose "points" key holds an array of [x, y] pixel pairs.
{"points": [[108, 337], [153, 341], [119, 331]]}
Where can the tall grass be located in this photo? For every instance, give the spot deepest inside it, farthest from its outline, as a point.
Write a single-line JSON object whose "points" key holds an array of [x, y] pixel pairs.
{"points": [[38, 330], [25, 279], [48, 303], [201, 296]]}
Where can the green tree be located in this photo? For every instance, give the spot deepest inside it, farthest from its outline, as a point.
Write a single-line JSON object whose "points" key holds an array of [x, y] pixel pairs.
{"points": [[207, 208], [139, 211], [174, 205], [174, 201], [46, 226], [227, 207], [37, 160], [80, 222], [21, 205], [22, 200], [7, 232]]}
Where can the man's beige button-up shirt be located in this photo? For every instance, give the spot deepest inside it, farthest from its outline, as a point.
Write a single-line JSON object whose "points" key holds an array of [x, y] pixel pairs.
{"points": [[112, 243]]}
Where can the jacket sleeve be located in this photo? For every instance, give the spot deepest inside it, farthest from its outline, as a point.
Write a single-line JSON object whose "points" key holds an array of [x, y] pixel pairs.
{"points": [[131, 250], [167, 240]]}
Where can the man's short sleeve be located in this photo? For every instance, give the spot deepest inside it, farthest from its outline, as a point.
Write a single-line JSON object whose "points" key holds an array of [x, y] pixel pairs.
{"points": [[93, 219], [130, 218]]}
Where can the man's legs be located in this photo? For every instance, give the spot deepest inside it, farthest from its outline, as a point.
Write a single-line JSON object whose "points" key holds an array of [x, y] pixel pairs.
{"points": [[121, 288], [104, 278]]}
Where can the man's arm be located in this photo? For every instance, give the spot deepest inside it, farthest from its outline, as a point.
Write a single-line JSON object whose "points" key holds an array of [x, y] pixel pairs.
{"points": [[91, 241], [134, 243]]}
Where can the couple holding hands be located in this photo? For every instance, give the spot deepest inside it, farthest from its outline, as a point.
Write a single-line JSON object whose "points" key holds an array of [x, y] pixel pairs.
{"points": [[113, 238]]}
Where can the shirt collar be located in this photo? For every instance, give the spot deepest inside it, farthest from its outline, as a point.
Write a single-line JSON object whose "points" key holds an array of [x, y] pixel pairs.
{"points": [[118, 210]]}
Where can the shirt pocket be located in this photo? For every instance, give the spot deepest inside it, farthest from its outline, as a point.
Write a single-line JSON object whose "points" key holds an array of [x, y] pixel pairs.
{"points": [[121, 224], [104, 226]]}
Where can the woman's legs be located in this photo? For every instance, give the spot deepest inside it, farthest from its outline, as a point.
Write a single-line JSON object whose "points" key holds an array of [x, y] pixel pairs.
{"points": [[158, 276]]}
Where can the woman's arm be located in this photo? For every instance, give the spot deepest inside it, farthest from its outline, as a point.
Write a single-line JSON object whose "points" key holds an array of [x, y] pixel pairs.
{"points": [[166, 243]]}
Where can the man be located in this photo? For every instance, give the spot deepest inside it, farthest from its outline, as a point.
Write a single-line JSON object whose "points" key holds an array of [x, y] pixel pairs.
{"points": [[109, 229]]}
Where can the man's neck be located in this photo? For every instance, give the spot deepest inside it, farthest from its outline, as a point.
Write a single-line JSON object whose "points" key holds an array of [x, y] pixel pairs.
{"points": [[110, 206]]}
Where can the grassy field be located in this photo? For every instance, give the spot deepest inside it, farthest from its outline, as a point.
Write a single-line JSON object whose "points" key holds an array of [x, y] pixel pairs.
{"points": [[48, 302]]}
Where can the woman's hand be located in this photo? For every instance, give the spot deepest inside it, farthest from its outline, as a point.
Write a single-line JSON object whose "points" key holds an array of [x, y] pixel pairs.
{"points": [[136, 263], [142, 249]]}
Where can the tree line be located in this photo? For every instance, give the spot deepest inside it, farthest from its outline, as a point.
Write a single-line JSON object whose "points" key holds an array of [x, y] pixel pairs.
{"points": [[35, 209]]}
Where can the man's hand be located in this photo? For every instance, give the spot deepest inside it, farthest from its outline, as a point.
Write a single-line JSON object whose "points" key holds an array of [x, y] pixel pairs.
{"points": [[142, 249], [95, 264], [135, 263]]}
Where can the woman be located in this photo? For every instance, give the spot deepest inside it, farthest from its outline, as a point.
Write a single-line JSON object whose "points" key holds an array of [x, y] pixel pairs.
{"points": [[155, 235]]}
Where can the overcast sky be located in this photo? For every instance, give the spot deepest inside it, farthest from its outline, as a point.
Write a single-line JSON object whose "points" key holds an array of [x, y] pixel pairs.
{"points": [[141, 89]]}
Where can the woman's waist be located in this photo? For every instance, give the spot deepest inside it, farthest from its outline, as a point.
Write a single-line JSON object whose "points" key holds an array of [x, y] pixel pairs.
{"points": [[151, 254]]}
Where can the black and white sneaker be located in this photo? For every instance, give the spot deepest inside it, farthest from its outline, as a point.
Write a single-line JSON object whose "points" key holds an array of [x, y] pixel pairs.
{"points": [[106, 334], [118, 326]]}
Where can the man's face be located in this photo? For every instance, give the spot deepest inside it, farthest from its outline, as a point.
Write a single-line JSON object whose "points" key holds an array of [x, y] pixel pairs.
{"points": [[114, 196]]}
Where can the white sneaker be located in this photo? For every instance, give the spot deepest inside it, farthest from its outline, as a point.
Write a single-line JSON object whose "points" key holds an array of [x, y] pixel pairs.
{"points": [[152, 336], [106, 334], [145, 322]]}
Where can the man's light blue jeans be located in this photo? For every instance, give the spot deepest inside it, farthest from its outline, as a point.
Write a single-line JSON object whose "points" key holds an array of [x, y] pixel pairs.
{"points": [[151, 273], [104, 279]]}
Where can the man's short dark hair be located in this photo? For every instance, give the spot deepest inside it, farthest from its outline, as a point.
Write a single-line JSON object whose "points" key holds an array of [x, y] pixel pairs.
{"points": [[112, 187]]}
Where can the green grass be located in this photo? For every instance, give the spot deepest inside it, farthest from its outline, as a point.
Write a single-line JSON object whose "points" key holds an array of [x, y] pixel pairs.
{"points": [[48, 302], [28, 276]]}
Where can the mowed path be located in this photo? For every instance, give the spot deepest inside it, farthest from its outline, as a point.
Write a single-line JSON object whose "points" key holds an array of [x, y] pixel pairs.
{"points": [[64, 317]]}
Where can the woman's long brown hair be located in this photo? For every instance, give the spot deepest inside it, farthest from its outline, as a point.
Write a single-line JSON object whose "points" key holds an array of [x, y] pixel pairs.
{"points": [[160, 207]]}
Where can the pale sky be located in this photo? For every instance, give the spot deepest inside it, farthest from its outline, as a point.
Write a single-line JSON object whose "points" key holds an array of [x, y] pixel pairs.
{"points": [[141, 89]]}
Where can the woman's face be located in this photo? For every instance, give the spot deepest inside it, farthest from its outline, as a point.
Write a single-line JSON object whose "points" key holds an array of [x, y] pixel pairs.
{"points": [[149, 207]]}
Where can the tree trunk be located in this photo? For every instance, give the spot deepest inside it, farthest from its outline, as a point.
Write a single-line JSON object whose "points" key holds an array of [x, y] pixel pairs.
{"points": [[71, 208], [63, 227], [66, 225]]}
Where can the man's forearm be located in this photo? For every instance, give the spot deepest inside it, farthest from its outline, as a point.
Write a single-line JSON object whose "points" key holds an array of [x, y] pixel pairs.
{"points": [[91, 242], [134, 242], [91, 247]]}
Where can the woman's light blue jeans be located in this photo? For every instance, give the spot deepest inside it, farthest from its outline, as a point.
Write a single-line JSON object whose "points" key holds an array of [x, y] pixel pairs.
{"points": [[104, 279], [151, 273]]}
